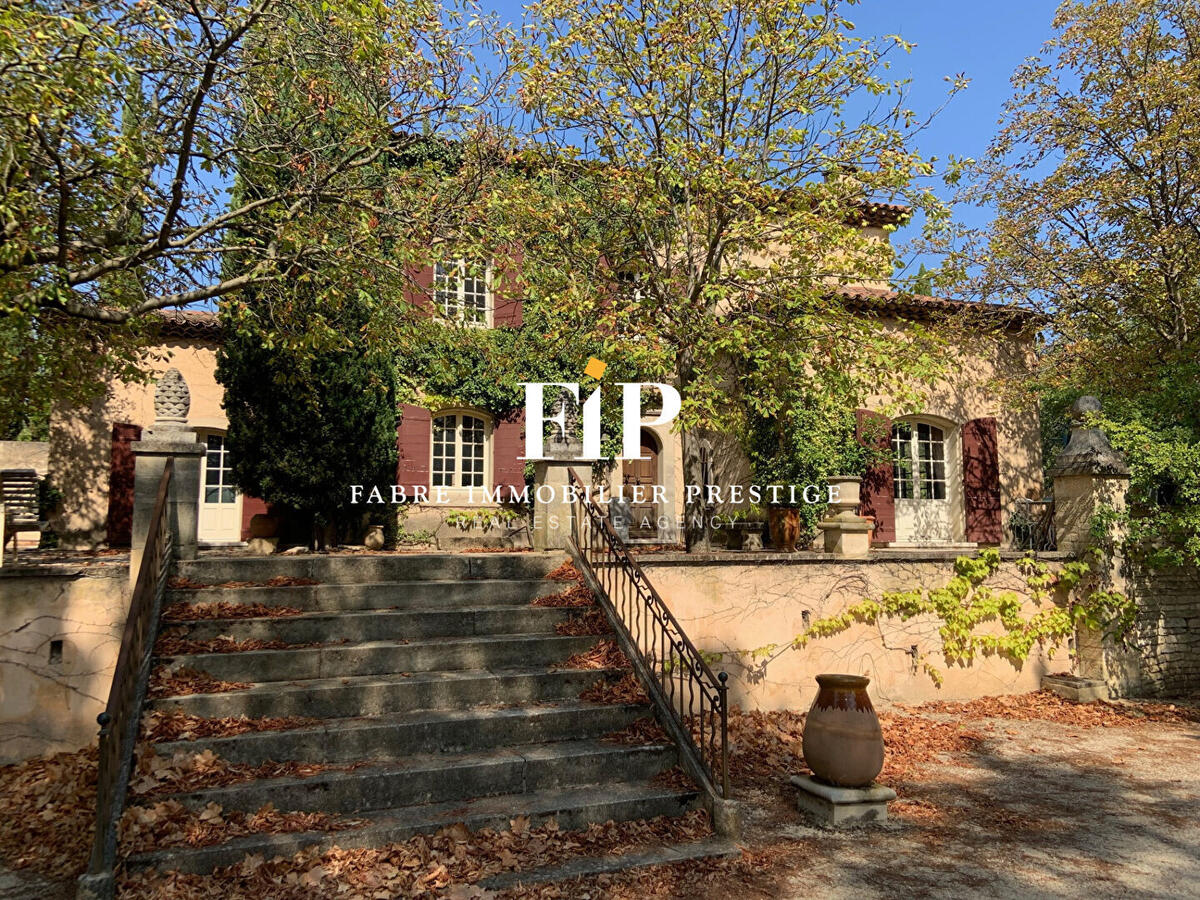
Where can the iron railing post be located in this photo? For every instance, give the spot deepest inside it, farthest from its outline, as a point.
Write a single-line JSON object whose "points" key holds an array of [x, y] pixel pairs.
{"points": [[723, 692]]}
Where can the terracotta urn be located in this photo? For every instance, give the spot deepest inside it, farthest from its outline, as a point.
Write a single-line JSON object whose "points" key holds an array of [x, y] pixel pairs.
{"points": [[843, 743], [785, 528]]}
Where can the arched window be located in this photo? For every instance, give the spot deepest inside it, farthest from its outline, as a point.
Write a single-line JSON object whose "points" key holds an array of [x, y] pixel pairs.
{"points": [[919, 466], [460, 450]]}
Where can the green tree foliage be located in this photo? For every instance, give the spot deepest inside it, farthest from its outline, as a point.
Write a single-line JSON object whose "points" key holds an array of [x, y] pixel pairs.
{"points": [[813, 439], [1095, 176], [304, 426], [124, 128], [705, 170]]}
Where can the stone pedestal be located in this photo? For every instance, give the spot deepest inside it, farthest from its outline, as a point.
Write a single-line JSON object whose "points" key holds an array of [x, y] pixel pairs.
{"points": [[1076, 688], [183, 502], [838, 806], [551, 513], [1088, 475], [846, 532], [168, 438]]}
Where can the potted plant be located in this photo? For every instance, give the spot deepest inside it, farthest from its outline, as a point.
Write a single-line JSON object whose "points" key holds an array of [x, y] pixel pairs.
{"points": [[813, 442]]}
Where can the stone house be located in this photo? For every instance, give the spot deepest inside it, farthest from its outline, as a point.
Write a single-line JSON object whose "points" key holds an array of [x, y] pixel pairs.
{"points": [[962, 460]]}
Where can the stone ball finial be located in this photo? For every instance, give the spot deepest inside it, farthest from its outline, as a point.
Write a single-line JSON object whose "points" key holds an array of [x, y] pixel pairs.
{"points": [[1085, 406], [172, 399]]}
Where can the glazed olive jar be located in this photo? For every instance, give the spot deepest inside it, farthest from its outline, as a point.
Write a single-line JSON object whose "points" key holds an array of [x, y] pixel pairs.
{"points": [[843, 743]]}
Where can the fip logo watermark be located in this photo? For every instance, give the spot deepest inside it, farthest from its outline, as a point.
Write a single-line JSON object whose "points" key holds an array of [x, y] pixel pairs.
{"points": [[631, 414]]}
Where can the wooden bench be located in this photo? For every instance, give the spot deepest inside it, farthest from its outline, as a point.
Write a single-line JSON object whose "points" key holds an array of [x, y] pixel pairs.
{"points": [[19, 500]]}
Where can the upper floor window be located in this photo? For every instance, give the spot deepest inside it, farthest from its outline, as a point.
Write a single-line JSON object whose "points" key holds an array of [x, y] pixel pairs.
{"points": [[919, 466], [462, 291], [459, 450]]}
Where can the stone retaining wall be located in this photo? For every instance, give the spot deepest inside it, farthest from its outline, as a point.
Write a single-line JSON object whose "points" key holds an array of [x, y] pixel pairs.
{"points": [[729, 602], [1167, 634], [50, 695]]}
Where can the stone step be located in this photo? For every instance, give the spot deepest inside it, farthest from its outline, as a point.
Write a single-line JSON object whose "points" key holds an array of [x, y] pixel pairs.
{"points": [[572, 809], [400, 735], [386, 657], [438, 778], [358, 568], [371, 695], [379, 595], [587, 866], [380, 624]]}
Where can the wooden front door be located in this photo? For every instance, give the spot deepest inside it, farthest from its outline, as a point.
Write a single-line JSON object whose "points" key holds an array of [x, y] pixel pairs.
{"points": [[642, 472]]}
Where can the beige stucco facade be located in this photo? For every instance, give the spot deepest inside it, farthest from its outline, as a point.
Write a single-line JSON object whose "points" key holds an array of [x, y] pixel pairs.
{"points": [[80, 446], [978, 367], [81, 439]]}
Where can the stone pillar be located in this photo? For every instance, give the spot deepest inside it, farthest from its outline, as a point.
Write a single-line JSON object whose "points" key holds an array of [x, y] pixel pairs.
{"points": [[1090, 475], [846, 532], [168, 438], [551, 512]]}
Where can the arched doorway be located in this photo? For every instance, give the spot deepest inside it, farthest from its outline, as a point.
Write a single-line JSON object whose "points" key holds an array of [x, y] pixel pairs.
{"points": [[643, 473]]}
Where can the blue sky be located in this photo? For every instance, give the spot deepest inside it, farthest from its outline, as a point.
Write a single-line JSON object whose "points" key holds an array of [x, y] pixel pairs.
{"points": [[984, 40]]}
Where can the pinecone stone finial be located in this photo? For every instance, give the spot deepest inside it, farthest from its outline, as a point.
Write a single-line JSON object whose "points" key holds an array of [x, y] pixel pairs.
{"points": [[172, 399]]}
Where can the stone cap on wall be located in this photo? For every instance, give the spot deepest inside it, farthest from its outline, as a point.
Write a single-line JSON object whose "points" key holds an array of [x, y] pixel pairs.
{"points": [[1088, 451]]}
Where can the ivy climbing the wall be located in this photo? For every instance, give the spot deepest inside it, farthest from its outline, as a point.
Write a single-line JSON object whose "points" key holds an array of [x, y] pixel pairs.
{"points": [[1067, 600]]}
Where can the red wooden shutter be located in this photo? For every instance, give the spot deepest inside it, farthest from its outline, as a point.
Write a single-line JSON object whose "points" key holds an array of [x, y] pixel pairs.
{"points": [[508, 443], [981, 481], [509, 292], [251, 507], [120, 484], [878, 484], [413, 446], [419, 292]]}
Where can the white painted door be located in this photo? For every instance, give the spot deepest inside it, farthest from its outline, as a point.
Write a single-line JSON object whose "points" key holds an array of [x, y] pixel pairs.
{"points": [[921, 487], [220, 502]]}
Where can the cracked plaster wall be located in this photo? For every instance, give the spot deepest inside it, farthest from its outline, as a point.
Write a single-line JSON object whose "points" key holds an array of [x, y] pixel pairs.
{"points": [[50, 706]]}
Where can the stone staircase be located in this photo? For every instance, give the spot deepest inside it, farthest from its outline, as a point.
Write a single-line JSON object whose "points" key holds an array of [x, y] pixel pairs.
{"points": [[435, 677]]}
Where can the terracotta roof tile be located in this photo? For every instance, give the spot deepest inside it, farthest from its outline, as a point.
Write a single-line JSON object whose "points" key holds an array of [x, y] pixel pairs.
{"points": [[923, 306], [885, 213], [190, 323]]}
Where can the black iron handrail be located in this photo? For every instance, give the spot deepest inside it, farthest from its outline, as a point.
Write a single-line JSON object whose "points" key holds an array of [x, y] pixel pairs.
{"points": [[692, 701], [121, 718], [1031, 525]]}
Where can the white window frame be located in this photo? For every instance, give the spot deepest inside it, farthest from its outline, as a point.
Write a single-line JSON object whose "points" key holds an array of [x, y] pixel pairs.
{"points": [[223, 470], [921, 472], [457, 489], [442, 276], [205, 532]]}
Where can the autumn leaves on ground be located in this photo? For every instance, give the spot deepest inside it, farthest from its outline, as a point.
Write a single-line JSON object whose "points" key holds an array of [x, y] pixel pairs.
{"points": [[47, 807]]}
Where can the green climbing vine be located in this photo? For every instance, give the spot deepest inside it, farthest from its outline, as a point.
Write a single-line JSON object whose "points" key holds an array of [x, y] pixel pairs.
{"points": [[485, 519], [966, 602]]}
